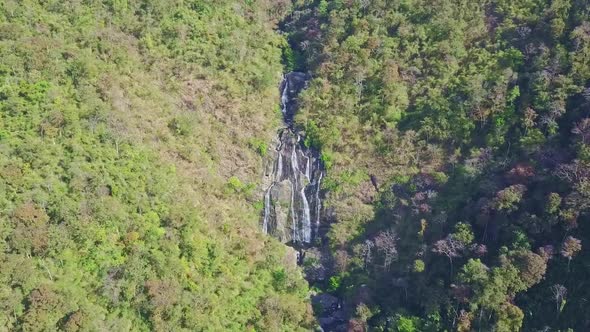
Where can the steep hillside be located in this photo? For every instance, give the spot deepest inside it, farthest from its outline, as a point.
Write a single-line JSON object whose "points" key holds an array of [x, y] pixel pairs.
{"points": [[454, 139], [131, 136], [455, 134]]}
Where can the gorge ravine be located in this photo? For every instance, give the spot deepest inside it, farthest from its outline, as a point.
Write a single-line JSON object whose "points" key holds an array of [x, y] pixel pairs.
{"points": [[293, 206], [292, 180]]}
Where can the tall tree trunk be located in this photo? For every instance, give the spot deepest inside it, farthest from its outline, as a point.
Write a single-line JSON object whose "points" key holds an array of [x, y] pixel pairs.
{"points": [[451, 261]]}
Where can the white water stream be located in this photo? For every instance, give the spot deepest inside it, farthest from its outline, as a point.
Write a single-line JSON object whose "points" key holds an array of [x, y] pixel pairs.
{"points": [[296, 174]]}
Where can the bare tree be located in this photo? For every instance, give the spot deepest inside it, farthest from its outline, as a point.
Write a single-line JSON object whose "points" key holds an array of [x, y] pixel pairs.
{"points": [[119, 132], [559, 293], [573, 173], [364, 4], [449, 247], [529, 118], [366, 251], [479, 249], [582, 130], [386, 243], [570, 247]]}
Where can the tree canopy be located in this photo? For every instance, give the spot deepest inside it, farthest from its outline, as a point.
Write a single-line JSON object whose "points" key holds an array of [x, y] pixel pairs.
{"points": [[129, 150], [472, 117]]}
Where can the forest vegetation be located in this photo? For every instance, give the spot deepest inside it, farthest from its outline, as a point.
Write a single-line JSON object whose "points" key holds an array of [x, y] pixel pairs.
{"points": [[130, 141], [471, 118], [455, 136]]}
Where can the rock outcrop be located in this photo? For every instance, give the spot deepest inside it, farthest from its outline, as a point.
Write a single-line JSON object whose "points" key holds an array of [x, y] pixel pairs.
{"points": [[292, 204]]}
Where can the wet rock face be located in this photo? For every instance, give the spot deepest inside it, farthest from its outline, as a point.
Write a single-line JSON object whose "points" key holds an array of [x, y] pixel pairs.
{"points": [[291, 86], [292, 202], [280, 202]]}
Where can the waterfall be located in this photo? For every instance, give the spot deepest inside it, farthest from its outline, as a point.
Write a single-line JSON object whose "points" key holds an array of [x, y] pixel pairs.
{"points": [[292, 201], [294, 164], [285, 96], [318, 203], [266, 211], [293, 215], [306, 222], [279, 168]]}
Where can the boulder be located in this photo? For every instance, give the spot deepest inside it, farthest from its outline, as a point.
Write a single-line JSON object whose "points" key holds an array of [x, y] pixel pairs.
{"points": [[328, 308], [324, 304]]}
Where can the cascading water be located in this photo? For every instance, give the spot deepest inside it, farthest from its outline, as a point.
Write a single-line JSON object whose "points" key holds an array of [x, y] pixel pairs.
{"points": [[293, 206], [292, 199]]}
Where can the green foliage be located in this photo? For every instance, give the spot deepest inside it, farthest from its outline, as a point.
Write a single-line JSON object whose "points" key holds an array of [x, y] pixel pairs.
{"points": [[406, 324], [182, 125], [288, 58], [334, 283], [419, 266], [312, 135], [508, 198], [453, 111], [323, 7], [123, 204], [130, 135], [520, 240], [260, 146], [553, 203], [327, 159], [463, 233], [237, 186]]}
